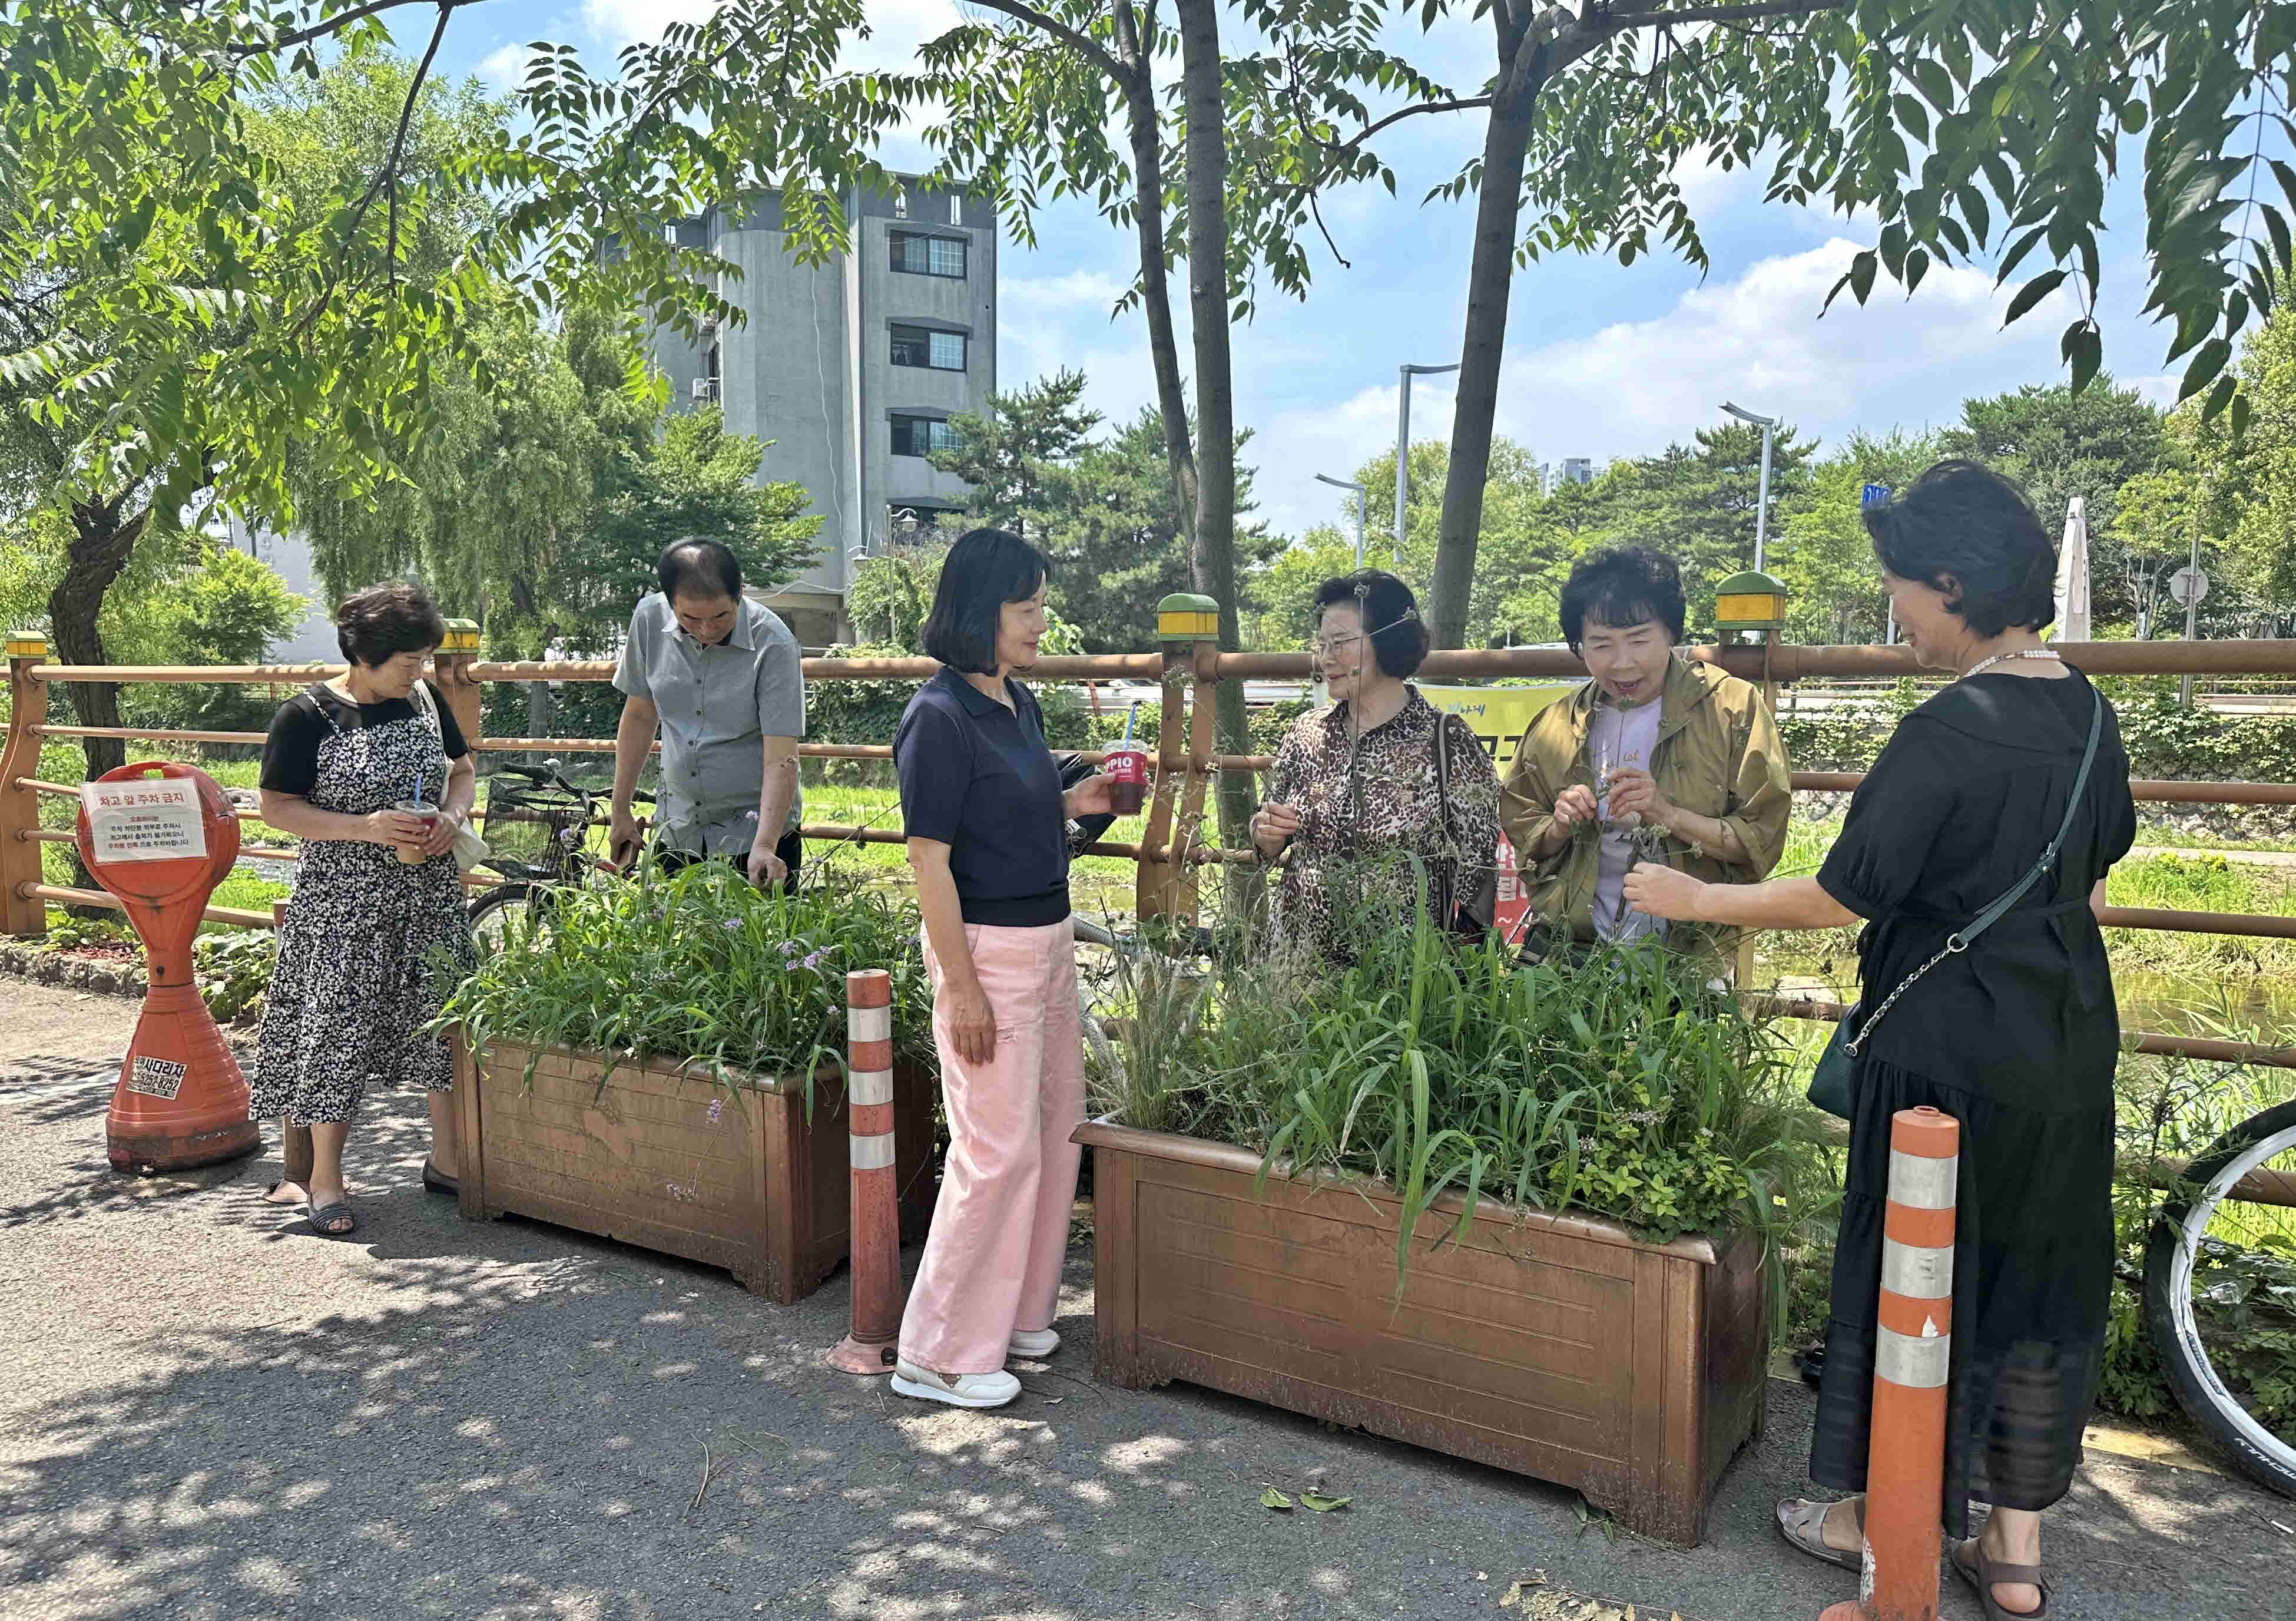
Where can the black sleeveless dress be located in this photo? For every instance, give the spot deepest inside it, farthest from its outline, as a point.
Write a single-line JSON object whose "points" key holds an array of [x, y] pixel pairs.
{"points": [[2017, 1039]]}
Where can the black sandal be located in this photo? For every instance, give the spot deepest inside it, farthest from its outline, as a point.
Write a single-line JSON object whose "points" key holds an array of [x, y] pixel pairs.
{"points": [[1984, 1574], [435, 1181], [321, 1215]]}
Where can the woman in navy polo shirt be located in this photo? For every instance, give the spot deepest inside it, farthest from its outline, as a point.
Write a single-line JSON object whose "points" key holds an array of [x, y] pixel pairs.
{"points": [[987, 825]]}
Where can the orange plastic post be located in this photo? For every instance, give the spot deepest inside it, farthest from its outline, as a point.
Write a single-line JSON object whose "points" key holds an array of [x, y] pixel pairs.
{"points": [[873, 1222], [160, 836], [1912, 1353]]}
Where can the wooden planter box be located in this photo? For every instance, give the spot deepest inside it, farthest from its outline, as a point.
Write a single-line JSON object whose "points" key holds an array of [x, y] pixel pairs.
{"points": [[756, 1188], [1558, 1347]]}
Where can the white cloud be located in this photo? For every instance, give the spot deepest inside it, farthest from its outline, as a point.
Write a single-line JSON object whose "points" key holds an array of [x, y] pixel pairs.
{"points": [[1634, 387], [1028, 296], [504, 68]]}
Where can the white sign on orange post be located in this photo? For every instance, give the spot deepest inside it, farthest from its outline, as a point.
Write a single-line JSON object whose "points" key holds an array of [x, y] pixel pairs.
{"points": [[148, 820]]}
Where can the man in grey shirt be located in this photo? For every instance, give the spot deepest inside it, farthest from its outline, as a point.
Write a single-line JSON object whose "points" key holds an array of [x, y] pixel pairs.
{"points": [[717, 675]]}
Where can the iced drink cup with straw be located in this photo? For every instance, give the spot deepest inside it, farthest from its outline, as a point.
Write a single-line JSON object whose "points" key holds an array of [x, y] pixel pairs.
{"points": [[415, 805], [1127, 768]]}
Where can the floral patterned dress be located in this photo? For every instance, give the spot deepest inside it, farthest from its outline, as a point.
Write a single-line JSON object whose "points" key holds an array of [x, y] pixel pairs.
{"points": [[1363, 798], [371, 946]]}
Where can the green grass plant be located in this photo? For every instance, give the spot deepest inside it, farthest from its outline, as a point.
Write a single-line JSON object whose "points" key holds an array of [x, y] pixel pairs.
{"points": [[705, 968], [1617, 1085]]}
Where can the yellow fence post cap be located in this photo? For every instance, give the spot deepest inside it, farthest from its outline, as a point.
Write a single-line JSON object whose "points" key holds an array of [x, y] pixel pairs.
{"points": [[461, 637], [1186, 617], [1750, 601], [27, 645]]}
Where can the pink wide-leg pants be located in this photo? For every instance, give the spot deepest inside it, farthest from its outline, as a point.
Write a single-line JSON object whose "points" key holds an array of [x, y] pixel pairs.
{"points": [[992, 1262]]}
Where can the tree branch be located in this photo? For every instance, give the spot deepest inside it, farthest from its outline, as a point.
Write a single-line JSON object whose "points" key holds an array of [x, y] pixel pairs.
{"points": [[1044, 23], [331, 25]]}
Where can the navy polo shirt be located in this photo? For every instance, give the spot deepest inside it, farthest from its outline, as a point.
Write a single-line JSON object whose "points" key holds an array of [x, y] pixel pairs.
{"points": [[978, 777]]}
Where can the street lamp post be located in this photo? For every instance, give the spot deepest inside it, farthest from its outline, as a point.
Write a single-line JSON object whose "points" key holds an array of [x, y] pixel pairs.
{"points": [[1769, 426], [1326, 477], [1404, 375]]}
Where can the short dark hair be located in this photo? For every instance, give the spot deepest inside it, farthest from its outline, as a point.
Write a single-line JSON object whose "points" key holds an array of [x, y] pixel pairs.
{"points": [[384, 621], [1622, 586], [699, 564], [1391, 614], [1964, 523], [986, 569]]}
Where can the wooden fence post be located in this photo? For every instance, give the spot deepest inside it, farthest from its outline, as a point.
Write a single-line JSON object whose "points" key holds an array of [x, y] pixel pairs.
{"points": [[20, 808], [1184, 624], [452, 665]]}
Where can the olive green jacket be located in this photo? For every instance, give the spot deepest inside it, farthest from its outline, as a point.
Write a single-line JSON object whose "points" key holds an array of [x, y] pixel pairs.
{"points": [[1718, 754]]}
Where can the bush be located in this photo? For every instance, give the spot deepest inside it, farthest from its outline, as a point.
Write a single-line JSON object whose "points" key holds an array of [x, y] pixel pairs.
{"points": [[1620, 1086], [702, 966]]}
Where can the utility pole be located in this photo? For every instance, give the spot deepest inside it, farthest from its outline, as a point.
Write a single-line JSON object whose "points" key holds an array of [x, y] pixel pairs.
{"points": [[1769, 426], [1404, 375], [1343, 484]]}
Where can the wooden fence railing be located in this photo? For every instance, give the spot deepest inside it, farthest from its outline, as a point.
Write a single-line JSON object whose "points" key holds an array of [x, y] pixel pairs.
{"points": [[1187, 666]]}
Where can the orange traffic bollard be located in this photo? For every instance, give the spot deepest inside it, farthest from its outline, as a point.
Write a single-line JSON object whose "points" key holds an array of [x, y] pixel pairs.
{"points": [[160, 836], [874, 1224], [1913, 1354]]}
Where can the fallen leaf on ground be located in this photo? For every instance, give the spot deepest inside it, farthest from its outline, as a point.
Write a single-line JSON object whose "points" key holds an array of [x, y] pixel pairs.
{"points": [[1323, 1504], [1272, 1498]]}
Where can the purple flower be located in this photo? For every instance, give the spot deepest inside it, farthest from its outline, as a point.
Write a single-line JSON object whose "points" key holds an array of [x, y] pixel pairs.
{"points": [[731, 925], [716, 1110], [814, 961]]}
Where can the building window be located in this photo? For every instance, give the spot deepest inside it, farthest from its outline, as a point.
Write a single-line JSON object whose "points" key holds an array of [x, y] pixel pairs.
{"points": [[917, 254], [957, 208], [900, 203], [939, 351], [922, 435]]}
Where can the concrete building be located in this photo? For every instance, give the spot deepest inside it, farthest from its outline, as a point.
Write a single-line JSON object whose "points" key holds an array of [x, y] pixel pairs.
{"points": [[1578, 470], [851, 369]]}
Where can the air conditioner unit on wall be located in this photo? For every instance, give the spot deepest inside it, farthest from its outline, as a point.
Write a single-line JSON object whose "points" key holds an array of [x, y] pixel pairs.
{"points": [[705, 388]]}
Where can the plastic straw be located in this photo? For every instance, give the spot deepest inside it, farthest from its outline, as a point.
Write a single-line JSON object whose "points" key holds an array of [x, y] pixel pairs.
{"points": [[1129, 716]]}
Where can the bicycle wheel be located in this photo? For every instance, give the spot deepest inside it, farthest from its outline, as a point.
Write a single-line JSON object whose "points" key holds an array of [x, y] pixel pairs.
{"points": [[511, 914], [2220, 1299]]}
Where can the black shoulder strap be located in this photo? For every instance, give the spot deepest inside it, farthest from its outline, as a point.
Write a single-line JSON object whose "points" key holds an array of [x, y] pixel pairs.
{"points": [[1991, 915]]}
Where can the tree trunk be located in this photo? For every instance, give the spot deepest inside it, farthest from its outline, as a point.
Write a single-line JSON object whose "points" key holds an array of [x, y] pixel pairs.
{"points": [[1213, 553], [1490, 279], [1155, 293], [100, 547]]}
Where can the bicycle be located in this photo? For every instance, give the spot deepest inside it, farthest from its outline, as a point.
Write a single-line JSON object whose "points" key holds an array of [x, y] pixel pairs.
{"points": [[2220, 1276], [543, 815]]}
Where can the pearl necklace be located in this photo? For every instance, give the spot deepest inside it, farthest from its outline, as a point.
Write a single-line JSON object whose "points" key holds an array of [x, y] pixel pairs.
{"points": [[2003, 658]]}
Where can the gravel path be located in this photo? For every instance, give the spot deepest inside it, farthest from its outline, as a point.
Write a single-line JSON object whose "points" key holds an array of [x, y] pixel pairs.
{"points": [[209, 1412]]}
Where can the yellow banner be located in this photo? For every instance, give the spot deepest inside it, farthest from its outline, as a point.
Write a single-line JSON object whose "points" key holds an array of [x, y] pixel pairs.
{"points": [[1499, 715]]}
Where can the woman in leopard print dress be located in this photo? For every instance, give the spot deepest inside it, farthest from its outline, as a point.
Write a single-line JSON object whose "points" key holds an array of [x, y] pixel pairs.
{"points": [[1357, 786], [375, 937]]}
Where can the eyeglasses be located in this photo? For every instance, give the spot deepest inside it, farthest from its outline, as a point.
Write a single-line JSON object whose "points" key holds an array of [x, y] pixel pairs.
{"points": [[1331, 646]]}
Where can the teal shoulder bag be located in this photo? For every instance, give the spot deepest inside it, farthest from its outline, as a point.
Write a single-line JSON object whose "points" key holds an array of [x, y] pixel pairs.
{"points": [[1830, 1082]]}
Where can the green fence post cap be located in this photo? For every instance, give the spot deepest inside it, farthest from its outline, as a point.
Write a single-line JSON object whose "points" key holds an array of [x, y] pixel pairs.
{"points": [[27, 645], [1187, 616], [461, 637], [1750, 601]]}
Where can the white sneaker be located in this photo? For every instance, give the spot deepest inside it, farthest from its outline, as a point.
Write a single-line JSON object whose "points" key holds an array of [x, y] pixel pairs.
{"points": [[957, 1389], [1032, 1343]]}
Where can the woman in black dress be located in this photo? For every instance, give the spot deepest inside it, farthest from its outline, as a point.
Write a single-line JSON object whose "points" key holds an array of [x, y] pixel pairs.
{"points": [[2015, 1038]]}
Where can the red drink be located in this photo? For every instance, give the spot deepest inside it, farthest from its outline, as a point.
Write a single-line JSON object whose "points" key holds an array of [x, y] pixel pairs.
{"points": [[1126, 768]]}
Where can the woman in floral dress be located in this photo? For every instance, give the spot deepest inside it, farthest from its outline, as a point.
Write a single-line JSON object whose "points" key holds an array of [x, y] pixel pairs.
{"points": [[1377, 777], [375, 937]]}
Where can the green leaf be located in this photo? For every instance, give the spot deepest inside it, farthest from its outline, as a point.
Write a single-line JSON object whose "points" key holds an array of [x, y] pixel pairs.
{"points": [[1917, 265], [1272, 1498], [2219, 397], [2133, 117], [1862, 270], [2032, 293], [2083, 350], [2207, 362], [1322, 1504]]}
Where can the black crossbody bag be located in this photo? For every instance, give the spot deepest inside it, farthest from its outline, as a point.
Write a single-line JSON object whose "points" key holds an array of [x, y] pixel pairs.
{"points": [[1830, 1082]]}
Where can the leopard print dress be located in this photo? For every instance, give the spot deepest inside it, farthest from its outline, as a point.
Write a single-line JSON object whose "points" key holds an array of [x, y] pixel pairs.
{"points": [[1364, 799], [371, 947]]}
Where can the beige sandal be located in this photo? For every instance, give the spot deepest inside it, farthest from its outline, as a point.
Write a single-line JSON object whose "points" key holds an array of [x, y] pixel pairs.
{"points": [[1803, 1524], [1983, 1574]]}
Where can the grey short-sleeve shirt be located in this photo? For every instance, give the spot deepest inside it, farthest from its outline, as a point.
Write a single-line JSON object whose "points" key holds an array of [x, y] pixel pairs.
{"points": [[718, 705]]}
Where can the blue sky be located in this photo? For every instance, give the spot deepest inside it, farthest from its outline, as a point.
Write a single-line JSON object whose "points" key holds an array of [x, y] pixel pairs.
{"points": [[1601, 361]]}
